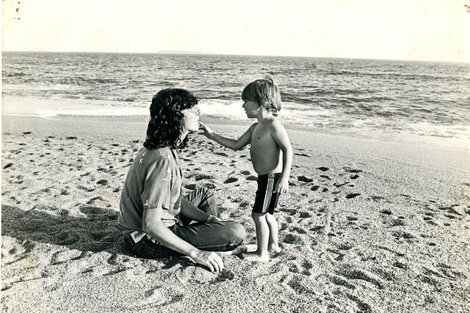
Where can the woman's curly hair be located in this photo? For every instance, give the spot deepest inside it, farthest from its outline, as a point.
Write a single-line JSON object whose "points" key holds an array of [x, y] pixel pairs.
{"points": [[166, 120]]}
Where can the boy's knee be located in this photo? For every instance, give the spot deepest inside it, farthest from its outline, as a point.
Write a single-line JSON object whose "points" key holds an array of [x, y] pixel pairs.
{"points": [[257, 215]]}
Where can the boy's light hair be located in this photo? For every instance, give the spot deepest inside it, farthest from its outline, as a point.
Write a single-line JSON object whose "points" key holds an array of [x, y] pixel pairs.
{"points": [[264, 92]]}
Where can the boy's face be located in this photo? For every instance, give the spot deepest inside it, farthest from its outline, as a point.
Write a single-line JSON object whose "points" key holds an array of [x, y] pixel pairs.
{"points": [[251, 108]]}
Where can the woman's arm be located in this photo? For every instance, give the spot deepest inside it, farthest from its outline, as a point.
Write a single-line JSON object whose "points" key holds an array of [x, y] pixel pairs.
{"points": [[189, 210], [156, 195], [153, 225]]}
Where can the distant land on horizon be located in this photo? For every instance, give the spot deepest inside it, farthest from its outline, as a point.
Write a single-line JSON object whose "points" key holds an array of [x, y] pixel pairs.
{"points": [[182, 52]]}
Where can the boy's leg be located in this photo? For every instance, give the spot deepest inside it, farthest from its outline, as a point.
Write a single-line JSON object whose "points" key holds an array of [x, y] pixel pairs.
{"points": [[262, 238], [273, 243]]}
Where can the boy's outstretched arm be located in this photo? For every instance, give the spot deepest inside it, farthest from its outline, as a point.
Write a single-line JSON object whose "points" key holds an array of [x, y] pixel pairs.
{"points": [[238, 144], [279, 134]]}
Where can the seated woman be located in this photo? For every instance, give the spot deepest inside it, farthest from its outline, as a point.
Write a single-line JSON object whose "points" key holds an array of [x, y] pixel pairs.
{"points": [[164, 223]]}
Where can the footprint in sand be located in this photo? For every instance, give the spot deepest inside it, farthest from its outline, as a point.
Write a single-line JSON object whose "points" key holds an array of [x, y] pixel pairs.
{"points": [[290, 238], [449, 272], [338, 254], [230, 180], [361, 305], [224, 275], [293, 267], [352, 195], [397, 222], [400, 234], [304, 179], [306, 267], [160, 296], [375, 198], [102, 182], [119, 261], [401, 265], [317, 228], [296, 284], [351, 170], [340, 281], [299, 230], [352, 274], [67, 255], [200, 176]]}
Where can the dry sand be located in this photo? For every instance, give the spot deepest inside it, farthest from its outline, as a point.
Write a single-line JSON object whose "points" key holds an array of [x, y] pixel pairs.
{"points": [[377, 224]]}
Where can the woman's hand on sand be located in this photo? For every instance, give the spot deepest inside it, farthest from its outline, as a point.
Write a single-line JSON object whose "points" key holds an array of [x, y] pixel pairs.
{"points": [[209, 259], [206, 130], [282, 186]]}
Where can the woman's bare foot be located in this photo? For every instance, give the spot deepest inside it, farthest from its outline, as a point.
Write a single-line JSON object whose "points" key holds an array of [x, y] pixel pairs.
{"points": [[241, 249]]}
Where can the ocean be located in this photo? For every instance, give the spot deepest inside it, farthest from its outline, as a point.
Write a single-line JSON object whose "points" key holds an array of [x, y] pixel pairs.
{"points": [[425, 98]]}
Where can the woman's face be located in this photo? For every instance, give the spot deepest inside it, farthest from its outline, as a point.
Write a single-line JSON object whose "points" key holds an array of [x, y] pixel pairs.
{"points": [[191, 119]]}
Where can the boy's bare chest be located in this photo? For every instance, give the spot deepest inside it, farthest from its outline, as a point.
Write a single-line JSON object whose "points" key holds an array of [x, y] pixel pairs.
{"points": [[261, 137]]}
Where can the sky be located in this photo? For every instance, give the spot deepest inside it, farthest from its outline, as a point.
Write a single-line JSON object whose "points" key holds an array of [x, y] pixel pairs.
{"points": [[430, 30]]}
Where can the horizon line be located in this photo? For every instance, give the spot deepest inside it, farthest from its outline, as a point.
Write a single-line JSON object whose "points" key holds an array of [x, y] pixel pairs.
{"points": [[183, 52]]}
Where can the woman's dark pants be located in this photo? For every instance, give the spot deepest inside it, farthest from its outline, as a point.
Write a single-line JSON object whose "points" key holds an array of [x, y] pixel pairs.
{"points": [[213, 236]]}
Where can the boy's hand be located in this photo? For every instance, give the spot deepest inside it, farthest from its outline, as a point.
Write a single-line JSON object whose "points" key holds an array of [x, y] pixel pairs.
{"points": [[206, 130], [282, 186]]}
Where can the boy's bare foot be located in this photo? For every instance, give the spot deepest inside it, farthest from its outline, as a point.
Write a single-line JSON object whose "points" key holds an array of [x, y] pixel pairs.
{"points": [[255, 257], [275, 249]]}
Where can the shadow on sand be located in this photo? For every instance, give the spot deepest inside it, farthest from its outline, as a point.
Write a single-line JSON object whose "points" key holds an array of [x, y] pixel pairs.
{"points": [[96, 232]]}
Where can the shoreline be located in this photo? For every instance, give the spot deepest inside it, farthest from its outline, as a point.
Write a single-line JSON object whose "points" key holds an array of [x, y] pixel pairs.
{"points": [[15, 122]]}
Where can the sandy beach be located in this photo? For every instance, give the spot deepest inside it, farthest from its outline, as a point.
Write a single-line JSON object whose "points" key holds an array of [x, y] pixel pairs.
{"points": [[371, 223]]}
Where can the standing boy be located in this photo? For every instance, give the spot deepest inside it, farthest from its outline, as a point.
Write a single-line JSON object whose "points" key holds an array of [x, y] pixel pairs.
{"points": [[271, 155]]}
